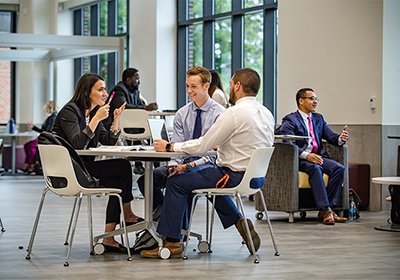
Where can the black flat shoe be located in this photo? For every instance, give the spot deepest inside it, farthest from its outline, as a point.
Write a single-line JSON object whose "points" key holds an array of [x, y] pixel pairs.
{"points": [[139, 219], [112, 249]]}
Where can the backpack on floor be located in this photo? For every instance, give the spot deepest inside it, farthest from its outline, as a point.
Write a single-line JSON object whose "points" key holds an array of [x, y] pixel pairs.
{"points": [[145, 241]]}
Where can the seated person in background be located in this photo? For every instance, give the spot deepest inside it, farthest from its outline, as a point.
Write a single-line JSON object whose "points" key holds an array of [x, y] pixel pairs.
{"points": [[216, 90], [191, 121], [238, 131], [127, 91], [79, 123], [30, 147], [314, 160]]}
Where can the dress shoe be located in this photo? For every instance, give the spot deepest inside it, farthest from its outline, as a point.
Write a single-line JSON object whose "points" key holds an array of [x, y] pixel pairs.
{"points": [[339, 219], [326, 217], [241, 227], [174, 247], [112, 249], [138, 220]]}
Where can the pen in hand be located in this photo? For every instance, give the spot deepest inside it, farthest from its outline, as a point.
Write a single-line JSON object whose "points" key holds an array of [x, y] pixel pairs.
{"points": [[111, 97]]}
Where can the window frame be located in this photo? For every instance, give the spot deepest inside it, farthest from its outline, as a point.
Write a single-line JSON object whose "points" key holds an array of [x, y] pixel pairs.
{"points": [[112, 58], [13, 29], [269, 9]]}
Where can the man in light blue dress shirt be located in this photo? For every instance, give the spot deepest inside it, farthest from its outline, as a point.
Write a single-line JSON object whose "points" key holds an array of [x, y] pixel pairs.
{"points": [[197, 83]]}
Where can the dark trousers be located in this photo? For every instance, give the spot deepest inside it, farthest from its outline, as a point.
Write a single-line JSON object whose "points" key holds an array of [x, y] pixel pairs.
{"points": [[113, 173], [328, 196], [180, 187]]}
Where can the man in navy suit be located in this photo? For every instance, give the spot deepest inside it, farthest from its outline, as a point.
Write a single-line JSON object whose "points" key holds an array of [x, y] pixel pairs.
{"points": [[314, 160]]}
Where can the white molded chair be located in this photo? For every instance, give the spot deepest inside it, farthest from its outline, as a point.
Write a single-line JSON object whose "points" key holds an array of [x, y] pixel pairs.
{"points": [[134, 124], [56, 163], [257, 168]]}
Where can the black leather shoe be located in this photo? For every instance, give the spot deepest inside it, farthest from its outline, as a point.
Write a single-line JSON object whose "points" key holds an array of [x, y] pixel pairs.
{"points": [[112, 249], [139, 219]]}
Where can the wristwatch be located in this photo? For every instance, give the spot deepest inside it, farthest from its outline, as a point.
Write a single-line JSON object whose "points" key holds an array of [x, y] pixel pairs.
{"points": [[168, 147]]}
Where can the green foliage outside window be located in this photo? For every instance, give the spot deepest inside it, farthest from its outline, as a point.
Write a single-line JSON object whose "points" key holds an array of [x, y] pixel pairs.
{"points": [[253, 45]]}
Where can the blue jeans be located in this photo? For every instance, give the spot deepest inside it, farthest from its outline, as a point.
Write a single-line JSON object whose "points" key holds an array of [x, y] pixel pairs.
{"points": [[179, 188]]}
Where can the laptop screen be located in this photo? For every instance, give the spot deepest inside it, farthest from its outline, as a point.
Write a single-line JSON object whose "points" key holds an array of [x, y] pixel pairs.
{"points": [[158, 129]]}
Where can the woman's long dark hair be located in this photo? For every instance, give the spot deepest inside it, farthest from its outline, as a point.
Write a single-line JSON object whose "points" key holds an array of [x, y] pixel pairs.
{"points": [[83, 88], [215, 83]]}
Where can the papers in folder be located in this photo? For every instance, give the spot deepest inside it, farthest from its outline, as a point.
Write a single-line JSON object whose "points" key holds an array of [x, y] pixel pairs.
{"points": [[105, 148]]}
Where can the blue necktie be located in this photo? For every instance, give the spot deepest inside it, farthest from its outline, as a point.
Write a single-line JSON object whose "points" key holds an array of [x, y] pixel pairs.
{"points": [[197, 125]]}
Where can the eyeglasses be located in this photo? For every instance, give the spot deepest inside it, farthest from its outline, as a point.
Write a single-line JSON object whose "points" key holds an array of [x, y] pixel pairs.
{"points": [[312, 98]]}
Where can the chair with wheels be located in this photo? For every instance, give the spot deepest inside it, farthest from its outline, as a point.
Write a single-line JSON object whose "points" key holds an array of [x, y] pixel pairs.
{"points": [[62, 179], [256, 170], [288, 190]]}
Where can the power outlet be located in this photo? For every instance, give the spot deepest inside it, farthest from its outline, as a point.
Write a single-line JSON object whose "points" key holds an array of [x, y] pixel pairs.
{"points": [[372, 102]]}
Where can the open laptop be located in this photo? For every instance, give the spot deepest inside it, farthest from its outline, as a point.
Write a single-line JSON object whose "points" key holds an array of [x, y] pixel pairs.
{"points": [[158, 129]]}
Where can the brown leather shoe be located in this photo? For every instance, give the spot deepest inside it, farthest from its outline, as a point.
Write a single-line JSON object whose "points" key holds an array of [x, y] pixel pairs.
{"points": [[328, 218], [175, 248], [241, 227], [339, 219]]}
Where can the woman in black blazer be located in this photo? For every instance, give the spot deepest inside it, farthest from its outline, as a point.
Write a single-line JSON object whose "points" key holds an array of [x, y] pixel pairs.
{"points": [[80, 123]]}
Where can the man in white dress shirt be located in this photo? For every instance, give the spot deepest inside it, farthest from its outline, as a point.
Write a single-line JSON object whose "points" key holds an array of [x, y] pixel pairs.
{"points": [[238, 131]]}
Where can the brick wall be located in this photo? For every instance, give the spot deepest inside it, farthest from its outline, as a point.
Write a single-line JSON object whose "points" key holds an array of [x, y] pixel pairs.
{"points": [[5, 82]]}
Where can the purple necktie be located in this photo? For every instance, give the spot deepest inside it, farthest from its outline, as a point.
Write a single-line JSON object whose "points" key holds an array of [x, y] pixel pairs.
{"points": [[314, 140]]}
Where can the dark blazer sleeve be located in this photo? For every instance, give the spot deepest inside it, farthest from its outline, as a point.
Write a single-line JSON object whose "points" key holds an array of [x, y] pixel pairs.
{"points": [[71, 125], [323, 130], [293, 124]]}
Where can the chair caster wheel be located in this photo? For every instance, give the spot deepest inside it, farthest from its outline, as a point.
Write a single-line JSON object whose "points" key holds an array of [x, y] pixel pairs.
{"points": [[3, 230], [259, 215], [303, 214], [164, 253], [66, 264], [28, 257], [256, 261], [98, 249], [66, 243], [203, 246], [129, 259], [185, 257], [91, 253], [277, 254]]}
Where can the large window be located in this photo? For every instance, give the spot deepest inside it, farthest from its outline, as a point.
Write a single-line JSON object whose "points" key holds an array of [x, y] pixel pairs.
{"points": [[226, 35], [102, 18], [7, 71]]}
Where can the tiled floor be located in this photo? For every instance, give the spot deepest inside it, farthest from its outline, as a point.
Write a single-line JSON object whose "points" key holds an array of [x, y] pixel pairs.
{"points": [[309, 250]]}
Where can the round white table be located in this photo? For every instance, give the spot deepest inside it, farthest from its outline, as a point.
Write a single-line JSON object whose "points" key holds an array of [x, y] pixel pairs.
{"points": [[388, 181]]}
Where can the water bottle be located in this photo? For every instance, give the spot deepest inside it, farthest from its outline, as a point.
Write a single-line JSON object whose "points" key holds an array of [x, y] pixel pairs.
{"points": [[352, 211], [11, 126]]}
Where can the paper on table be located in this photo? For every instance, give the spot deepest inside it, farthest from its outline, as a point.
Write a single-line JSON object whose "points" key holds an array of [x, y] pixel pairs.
{"points": [[105, 148]]}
